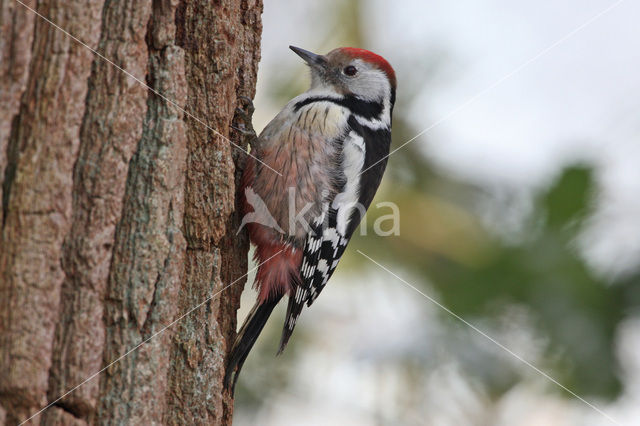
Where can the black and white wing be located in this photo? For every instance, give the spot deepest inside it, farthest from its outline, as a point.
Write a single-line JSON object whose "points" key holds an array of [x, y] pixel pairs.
{"points": [[364, 159], [331, 232], [308, 270]]}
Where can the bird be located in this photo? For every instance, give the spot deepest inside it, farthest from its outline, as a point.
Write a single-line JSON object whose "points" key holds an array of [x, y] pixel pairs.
{"points": [[329, 146]]}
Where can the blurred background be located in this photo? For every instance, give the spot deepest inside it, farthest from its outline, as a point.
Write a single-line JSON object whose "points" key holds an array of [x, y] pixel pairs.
{"points": [[519, 211]]}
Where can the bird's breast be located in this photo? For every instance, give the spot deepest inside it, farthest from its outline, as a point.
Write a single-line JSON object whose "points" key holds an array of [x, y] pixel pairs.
{"points": [[324, 118], [304, 150]]}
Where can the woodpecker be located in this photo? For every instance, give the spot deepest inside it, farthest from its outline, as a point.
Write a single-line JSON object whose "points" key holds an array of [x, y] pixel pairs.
{"points": [[330, 147]]}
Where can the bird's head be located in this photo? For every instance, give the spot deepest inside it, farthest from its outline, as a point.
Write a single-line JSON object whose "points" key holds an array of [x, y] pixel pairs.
{"points": [[351, 71]]}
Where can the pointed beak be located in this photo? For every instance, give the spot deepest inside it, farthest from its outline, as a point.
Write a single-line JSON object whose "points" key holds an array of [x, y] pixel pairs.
{"points": [[313, 59]]}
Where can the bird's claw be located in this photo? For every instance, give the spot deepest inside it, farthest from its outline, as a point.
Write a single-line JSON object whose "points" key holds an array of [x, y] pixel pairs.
{"points": [[248, 104], [245, 132], [243, 118]]}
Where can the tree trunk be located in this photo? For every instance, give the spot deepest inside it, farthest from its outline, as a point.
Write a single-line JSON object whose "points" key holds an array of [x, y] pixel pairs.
{"points": [[118, 208]]}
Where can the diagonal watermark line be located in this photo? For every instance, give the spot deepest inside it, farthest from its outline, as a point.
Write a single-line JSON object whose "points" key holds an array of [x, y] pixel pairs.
{"points": [[500, 345], [142, 83], [120, 358], [504, 78]]}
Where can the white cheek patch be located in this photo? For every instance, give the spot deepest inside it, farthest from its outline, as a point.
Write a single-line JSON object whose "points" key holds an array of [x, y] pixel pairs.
{"points": [[373, 85]]}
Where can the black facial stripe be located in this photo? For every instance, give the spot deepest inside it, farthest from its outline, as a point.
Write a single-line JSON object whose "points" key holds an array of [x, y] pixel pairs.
{"points": [[366, 109], [393, 98]]}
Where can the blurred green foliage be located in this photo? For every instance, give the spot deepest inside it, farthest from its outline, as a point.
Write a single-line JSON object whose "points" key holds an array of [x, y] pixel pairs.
{"points": [[478, 275]]}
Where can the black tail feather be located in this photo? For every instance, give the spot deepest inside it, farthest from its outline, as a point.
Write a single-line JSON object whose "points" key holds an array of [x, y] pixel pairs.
{"points": [[293, 312], [245, 340]]}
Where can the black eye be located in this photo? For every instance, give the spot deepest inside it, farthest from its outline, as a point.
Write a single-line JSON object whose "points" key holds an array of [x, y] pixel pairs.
{"points": [[350, 70]]}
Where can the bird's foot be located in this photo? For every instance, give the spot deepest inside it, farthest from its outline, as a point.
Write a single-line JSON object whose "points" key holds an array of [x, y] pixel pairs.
{"points": [[242, 119]]}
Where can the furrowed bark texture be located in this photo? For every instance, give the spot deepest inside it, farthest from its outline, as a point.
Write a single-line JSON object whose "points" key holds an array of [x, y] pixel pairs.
{"points": [[221, 57], [41, 150], [16, 36], [119, 209]]}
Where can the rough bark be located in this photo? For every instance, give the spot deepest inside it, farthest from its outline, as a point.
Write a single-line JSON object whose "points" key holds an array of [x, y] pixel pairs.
{"points": [[41, 151], [205, 336], [119, 209], [112, 127], [16, 36]]}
